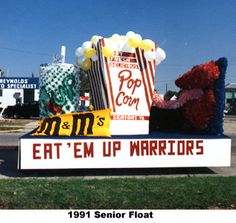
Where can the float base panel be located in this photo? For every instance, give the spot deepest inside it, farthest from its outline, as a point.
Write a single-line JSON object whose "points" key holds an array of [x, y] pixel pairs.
{"points": [[158, 150]]}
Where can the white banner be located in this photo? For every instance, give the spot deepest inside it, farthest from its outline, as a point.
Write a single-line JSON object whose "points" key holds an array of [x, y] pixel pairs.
{"points": [[110, 216], [66, 153]]}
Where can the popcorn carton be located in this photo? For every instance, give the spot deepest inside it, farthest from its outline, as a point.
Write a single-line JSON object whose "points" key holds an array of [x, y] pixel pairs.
{"points": [[122, 78]]}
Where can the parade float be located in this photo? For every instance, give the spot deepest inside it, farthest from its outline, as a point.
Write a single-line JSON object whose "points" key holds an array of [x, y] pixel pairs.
{"points": [[131, 126]]}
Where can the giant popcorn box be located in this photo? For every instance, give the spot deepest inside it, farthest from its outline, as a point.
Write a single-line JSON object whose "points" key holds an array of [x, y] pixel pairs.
{"points": [[124, 83], [59, 89]]}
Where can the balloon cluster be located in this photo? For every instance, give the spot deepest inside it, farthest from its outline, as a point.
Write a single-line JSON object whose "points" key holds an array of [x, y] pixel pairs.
{"points": [[87, 52]]}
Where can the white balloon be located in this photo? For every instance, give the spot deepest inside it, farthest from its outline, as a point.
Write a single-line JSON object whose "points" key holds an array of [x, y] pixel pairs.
{"points": [[96, 39], [116, 45], [138, 37], [85, 45], [121, 43], [127, 48], [129, 34], [78, 52], [161, 53], [150, 55], [123, 37], [94, 57], [116, 36], [158, 60], [107, 41], [111, 44], [80, 60]]}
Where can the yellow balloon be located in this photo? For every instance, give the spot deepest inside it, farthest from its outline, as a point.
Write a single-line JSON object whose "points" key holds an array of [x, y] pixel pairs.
{"points": [[92, 38], [86, 65], [147, 44], [107, 51], [89, 52], [123, 37], [112, 38], [133, 42]]}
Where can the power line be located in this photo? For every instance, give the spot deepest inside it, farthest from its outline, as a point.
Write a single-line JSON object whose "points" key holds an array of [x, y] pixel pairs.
{"points": [[232, 63], [29, 52], [161, 81], [25, 51]]}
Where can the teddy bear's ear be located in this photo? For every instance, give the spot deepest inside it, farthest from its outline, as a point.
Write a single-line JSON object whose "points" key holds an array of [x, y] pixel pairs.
{"points": [[216, 124], [201, 76], [222, 63]]}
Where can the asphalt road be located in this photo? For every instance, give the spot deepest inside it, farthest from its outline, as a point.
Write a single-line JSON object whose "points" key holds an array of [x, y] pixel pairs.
{"points": [[8, 161], [9, 140]]}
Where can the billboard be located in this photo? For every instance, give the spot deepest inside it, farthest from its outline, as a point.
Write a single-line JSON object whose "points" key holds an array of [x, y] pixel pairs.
{"points": [[19, 83]]}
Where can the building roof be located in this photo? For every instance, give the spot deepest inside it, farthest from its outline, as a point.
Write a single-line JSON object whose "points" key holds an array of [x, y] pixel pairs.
{"points": [[230, 86]]}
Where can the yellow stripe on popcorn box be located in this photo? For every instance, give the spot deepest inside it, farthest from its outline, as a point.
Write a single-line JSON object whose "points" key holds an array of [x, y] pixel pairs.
{"points": [[94, 123]]}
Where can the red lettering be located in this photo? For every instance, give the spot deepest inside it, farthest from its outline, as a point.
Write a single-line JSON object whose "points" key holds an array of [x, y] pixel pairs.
{"points": [[153, 147], [83, 150], [180, 147], [144, 147], [36, 151], [124, 65], [110, 148], [47, 151], [119, 103], [162, 147], [58, 145], [126, 100], [171, 152], [124, 75], [116, 147], [200, 147], [88, 151], [134, 148], [77, 150], [166, 147], [189, 147], [106, 149]]}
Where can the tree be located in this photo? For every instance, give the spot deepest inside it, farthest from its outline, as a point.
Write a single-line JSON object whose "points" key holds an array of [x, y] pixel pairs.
{"points": [[84, 83], [169, 94]]}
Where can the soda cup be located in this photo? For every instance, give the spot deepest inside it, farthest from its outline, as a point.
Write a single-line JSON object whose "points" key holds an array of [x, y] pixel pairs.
{"points": [[59, 89]]}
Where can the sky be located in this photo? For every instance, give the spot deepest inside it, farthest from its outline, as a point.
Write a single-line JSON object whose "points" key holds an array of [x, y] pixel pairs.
{"points": [[190, 31]]}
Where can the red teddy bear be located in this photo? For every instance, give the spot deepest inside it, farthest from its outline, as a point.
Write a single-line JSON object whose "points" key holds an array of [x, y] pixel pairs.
{"points": [[196, 102], [198, 112]]}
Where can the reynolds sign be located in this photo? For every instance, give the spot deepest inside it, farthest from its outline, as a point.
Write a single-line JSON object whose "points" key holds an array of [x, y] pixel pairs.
{"points": [[19, 83]]}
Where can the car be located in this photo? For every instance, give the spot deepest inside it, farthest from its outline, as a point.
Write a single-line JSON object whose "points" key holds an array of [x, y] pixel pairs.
{"points": [[21, 111]]}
